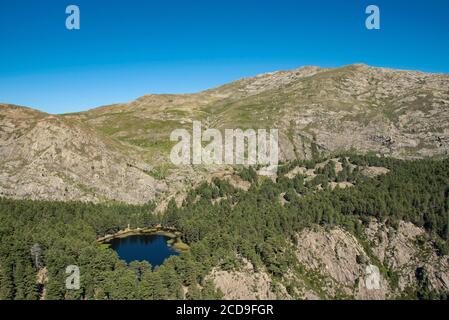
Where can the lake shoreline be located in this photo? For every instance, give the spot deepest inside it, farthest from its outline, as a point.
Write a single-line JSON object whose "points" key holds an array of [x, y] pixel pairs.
{"points": [[174, 235]]}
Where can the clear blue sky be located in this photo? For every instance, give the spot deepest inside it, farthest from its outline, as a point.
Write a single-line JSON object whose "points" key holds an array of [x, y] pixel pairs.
{"points": [[126, 49]]}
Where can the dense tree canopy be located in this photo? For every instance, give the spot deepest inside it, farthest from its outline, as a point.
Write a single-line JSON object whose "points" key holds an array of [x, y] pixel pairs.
{"points": [[219, 222]]}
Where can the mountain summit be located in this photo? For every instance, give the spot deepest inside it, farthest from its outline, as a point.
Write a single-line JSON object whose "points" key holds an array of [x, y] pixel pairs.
{"points": [[121, 152]]}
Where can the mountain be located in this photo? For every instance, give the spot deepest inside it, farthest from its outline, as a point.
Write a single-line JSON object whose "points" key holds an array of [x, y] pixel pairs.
{"points": [[121, 152], [52, 157], [350, 216]]}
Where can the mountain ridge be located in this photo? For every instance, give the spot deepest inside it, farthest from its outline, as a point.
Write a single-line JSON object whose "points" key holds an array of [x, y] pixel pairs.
{"points": [[398, 113]]}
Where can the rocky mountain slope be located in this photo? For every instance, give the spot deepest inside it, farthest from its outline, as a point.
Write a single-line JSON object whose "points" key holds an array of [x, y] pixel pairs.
{"points": [[50, 157], [384, 261], [337, 265], [121, 152]]}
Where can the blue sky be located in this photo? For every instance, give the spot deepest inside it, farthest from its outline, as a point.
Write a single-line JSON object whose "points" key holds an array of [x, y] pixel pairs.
{"points": [[126, 49]]}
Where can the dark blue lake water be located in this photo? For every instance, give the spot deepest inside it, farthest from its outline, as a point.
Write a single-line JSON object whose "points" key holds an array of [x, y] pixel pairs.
{"points": [[149, 247]]}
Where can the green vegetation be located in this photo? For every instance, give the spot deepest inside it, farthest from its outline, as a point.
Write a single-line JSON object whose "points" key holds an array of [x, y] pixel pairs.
{"points": [[160, 172], [247, 174], [253, 225]]}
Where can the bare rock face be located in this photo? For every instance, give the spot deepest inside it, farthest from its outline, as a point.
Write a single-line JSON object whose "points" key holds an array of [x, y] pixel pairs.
{"points": [[345, 269], [397, 110], [334, 264], [246, 284], [416, 262], [47, 157], [237, 285], [372, 172], [342, 263]]}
